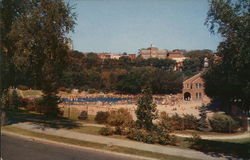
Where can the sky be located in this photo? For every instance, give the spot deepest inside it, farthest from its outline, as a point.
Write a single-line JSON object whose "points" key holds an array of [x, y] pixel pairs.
{"points": [[119, 26]]}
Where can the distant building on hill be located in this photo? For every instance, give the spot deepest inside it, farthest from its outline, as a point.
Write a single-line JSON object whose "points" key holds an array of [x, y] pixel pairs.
{"points": [[104, 55], [114, 55], [153, 52]]}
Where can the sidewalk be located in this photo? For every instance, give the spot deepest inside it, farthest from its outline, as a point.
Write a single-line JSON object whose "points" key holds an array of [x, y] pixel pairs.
{"points": [[118, 142], [211, 137]]}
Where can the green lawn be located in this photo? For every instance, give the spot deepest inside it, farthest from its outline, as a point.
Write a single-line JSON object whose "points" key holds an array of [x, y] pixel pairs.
{"points": [[88, 129], [26, 93]]}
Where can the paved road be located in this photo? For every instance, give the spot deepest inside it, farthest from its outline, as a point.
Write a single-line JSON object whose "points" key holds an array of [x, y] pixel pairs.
{"points": [[15, 148]]}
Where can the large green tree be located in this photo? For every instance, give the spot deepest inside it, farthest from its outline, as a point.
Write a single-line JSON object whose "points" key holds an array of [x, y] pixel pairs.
{"points": [[40, 36], [229, 79], [9, 12]]}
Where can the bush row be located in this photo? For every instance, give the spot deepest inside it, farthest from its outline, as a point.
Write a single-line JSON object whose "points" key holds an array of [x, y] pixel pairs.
{"points": [[219, 122]]}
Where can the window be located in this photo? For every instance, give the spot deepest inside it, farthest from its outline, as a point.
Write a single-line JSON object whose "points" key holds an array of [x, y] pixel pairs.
{"points": [[198, 95], [198, 85]]}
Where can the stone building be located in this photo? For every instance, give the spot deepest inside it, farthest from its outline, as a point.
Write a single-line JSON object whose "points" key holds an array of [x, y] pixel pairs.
{"points": [[153, 52], [193, 89]]}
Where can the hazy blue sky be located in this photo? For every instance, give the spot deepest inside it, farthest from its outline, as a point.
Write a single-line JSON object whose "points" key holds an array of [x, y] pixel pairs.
{"points": [[128, 25]]}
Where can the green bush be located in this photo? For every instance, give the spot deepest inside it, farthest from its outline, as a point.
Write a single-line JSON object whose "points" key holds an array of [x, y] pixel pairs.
{"points": [[190, 121], [83, 115], [22, 87], [48, 105], [194, 140], [177, 122], [223, 123], [171, 123], [15, 100], [157, 136], [106, 131], [141, 135], [102, 117], [92, 91], [165, 122], [121, 118]]}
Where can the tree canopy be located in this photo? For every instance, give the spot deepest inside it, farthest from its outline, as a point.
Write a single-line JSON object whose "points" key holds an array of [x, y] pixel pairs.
{"points": [[229, 79]]}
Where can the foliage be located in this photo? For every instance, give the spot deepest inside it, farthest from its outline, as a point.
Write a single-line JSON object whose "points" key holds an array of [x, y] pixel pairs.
{"points": [[151, 136], [4, 101], [83, 115], [48, 105], [15, 100], [102, 117], [176, 122], [190, 121], [195, 63], [194, 140], [106, 131], [229, 79], [39, 34], [146, 110], [165, 122], [203, 124], [22, 87], [120, 118], [9, 12], [223, 123]]}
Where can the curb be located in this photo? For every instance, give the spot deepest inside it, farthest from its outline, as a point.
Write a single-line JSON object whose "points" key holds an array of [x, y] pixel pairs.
{"points": [[45, 141]]}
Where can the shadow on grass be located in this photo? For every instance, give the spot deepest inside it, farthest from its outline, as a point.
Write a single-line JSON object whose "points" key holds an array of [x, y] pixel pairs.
{"points": [[219, 148], [52, 122]]}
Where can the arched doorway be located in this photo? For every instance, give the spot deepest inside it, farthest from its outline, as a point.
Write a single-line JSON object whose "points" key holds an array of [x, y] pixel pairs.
{"points": [[187, 96]]}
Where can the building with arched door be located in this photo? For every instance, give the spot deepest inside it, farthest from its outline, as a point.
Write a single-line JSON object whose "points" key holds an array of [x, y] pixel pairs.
{"points": [[193, 89]]}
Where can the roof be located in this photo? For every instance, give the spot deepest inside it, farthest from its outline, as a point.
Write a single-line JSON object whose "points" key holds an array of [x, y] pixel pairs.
{"points": [[195, 77]]}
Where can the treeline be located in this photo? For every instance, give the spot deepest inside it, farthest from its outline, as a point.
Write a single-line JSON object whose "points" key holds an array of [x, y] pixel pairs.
{"points": [[123, 75], [88, 72]]}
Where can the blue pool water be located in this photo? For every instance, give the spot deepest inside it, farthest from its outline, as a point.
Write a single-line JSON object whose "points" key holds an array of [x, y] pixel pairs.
{"points": [[96, 99]]}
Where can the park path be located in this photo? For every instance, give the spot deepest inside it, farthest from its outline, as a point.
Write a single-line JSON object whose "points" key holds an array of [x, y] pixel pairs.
{"points": [[188, 153], [218, 137]]}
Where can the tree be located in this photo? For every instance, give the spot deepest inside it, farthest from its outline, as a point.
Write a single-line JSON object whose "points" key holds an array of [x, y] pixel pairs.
{"points": [[40, 35], [203, 124], [146, 110], [15, 100], [229, 79], [9, 11], [195, 63]]}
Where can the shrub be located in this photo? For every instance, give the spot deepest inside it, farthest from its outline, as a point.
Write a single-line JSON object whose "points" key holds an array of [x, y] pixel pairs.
{"points": [[164, 137], [63, 89], [121, 118], [177, 122], [106, 131], [83, 115], [92, 91], [165, 122], [157, 136], [194, 140], [203, 124], [190, 121], [23, 87], [48, 105], [223, 123], [142, 135], [102, 117], [15, 100]]}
